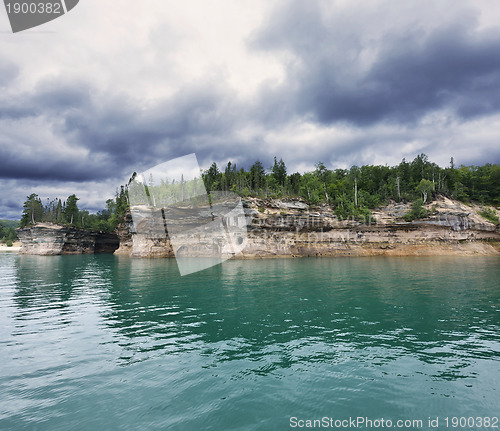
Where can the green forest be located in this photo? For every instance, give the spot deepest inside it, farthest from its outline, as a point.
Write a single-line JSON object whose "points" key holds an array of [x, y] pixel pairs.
{"points": [[67, 212], [351, 193], [8, 231]]}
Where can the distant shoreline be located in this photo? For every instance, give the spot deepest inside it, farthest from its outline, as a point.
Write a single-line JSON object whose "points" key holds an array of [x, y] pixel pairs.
{"points": [[279, 228], [15, 247]]}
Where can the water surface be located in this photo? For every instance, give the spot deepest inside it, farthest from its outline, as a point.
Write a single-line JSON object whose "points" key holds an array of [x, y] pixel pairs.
{"points": [[106, 342]]}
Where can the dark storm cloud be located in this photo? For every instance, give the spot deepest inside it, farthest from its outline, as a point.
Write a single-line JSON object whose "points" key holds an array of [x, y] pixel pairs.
{"points": [[8, 72], [115, 133], [372, 81], [39, 168], [191, 121], [57, 96], [410, 72]]}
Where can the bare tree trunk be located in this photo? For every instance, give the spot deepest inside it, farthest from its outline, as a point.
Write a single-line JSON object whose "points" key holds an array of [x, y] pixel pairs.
{"points": [[355, 191]]}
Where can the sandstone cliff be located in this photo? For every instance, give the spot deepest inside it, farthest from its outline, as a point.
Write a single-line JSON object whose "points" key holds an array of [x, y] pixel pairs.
{"points": [[291, 228], [139, 244], [51, 239]]}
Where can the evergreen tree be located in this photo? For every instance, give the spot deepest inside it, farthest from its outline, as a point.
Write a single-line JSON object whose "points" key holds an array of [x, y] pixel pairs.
{"points": [[59, 212], [257, 176], [279, 172], [230, 176], [71, 210], [32, 211], [294, 181], [212, 178]]}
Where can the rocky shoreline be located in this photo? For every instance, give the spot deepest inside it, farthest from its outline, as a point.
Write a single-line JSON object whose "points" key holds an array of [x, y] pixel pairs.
{"points": [[291, 228], [48, 239]]}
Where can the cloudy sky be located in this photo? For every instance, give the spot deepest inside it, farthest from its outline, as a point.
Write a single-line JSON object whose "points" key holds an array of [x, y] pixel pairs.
{"points": [[118, 86]]}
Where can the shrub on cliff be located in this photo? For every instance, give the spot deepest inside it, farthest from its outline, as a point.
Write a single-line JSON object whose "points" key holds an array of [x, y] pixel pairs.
{"points": [[417, 211], [348, 211], [490, 215]]}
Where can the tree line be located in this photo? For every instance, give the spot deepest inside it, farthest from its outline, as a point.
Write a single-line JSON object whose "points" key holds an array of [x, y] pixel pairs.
{"points": [[8, 231], [352, 193], [67, 212]]}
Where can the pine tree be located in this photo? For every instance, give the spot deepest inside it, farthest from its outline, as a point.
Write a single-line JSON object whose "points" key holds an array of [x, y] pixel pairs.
{"points": [[32, 211], [278, 171], [71, 210], [257, 176]]}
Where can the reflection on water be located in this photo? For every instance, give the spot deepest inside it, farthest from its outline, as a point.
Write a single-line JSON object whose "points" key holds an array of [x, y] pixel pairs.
{"points": [[247, 344]]}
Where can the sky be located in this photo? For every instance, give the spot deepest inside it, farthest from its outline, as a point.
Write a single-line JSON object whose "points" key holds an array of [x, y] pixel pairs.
{"points": [[119, 86]]}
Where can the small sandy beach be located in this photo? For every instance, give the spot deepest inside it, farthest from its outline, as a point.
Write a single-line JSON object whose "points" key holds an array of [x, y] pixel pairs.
{"points": [[15, 247]]}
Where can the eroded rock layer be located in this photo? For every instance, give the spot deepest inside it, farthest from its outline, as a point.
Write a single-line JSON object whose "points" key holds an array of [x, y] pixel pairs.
{"points": [[291, 228], [50, 239]]}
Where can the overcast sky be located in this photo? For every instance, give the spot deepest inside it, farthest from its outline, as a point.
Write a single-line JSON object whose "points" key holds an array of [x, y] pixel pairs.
{"points": [[118, 86]]}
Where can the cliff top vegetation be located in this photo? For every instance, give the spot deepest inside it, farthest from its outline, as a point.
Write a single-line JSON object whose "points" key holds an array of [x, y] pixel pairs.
{"points": [[352, 193]]}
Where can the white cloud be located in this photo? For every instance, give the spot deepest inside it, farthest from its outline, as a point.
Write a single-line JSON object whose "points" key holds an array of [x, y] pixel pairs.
{"points": [[155, 79], [147, 49]]}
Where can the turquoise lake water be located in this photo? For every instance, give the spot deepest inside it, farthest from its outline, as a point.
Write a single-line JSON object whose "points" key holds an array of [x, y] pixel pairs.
{"points": [[102, 342]]}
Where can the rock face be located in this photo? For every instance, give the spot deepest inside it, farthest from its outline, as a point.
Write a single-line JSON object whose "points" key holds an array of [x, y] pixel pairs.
{"points": [[124, 232], [452, 228], [50, 239], [141, 245], [106, 242], [291, 228]]}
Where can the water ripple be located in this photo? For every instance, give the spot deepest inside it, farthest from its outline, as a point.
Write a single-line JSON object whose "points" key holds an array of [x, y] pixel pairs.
{"points": [[103, 342]]}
